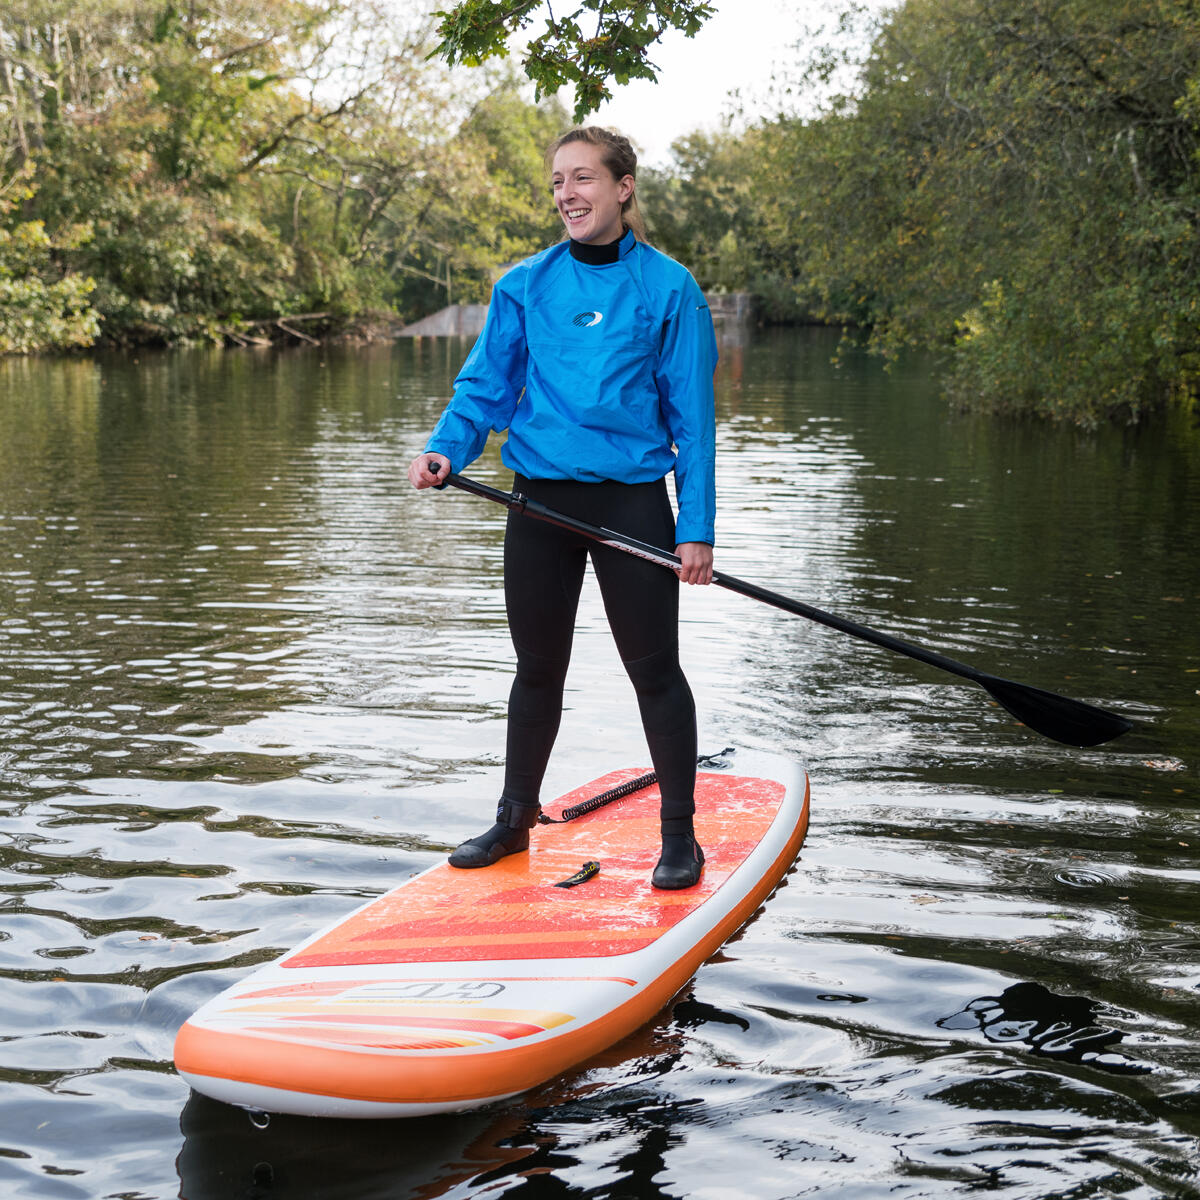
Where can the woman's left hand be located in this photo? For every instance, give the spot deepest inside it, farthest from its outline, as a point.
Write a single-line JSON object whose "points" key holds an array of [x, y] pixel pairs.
{"points": [[696, 562]]}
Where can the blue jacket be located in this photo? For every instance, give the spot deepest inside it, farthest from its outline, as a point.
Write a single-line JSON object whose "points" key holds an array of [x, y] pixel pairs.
{"points": [[597, 372]]}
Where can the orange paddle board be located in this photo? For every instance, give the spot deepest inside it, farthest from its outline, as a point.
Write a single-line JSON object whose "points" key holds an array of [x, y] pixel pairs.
{"points": [[458, 988]]}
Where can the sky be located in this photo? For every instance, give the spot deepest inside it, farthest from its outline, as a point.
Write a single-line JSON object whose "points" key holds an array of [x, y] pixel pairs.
{"points": [[739, 49], [726, 69]]}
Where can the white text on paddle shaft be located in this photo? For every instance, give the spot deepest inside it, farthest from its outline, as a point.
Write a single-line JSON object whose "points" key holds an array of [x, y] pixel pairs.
{"points": [[660, 559]]}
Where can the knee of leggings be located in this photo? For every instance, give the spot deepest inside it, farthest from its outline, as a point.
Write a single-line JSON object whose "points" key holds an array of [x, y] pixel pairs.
{"points": [[540, 674], [657, 675]]}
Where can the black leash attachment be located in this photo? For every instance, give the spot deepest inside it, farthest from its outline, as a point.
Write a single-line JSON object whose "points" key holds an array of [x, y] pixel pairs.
{"points": [[718, 761], [592, 803]]}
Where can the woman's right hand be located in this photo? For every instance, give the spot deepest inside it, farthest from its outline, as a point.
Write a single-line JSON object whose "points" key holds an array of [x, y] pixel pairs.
{"points": [[428, 470]]}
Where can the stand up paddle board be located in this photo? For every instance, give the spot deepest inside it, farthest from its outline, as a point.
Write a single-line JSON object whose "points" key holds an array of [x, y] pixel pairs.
{"points": [[458, 987]]}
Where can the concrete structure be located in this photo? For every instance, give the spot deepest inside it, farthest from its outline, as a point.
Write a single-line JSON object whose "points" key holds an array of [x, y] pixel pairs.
{"points": [[730, 306], [458, 320]]}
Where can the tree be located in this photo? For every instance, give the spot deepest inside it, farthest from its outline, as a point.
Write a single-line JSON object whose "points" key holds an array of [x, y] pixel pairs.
{"points": [[488, 203], [145, 121], [239, 162], [42, 305], [615, 47], [1017, 182], [705, 211]]}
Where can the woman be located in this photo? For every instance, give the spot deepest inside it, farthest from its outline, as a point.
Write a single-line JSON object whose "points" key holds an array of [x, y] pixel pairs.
{"points": [[597, 357]]}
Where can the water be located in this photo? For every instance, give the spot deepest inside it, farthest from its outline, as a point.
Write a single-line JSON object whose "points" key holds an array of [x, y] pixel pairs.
{"points": [[249, 679]]}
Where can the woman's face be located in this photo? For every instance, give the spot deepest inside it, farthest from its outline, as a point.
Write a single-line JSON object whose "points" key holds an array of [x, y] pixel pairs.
{"points": [[587, 195]]}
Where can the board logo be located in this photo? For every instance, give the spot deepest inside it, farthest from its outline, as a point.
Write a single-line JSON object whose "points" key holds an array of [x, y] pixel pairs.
{"points": [[444, 990], [587, 319]]}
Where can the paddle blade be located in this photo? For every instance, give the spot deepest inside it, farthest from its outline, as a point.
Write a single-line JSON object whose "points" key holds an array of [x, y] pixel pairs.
{"points": [[1065, 720]]}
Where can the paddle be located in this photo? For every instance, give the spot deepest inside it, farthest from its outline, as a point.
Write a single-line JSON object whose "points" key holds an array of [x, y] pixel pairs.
{"points": [[1069, 721]]}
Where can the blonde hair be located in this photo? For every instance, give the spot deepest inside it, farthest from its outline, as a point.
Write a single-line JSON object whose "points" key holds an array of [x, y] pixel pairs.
{"points": [[618, 155]]}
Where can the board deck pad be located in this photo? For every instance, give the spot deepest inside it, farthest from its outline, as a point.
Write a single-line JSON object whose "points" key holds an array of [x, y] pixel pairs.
{"points": [[464, 986], [514, 909]]}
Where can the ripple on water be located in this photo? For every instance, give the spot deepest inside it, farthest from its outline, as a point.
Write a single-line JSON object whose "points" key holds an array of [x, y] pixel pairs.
{"points": [[1079, 877]]}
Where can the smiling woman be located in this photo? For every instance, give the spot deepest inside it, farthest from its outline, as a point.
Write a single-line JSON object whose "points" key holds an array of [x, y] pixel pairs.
{"points": [[590, 195], [597, 358]]}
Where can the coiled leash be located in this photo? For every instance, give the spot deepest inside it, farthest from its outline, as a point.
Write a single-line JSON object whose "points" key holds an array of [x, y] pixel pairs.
{"points": [[710, 761], [591, 869]]}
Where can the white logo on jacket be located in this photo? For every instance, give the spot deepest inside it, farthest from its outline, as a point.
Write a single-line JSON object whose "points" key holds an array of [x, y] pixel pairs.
{"points": [[587, 319]]}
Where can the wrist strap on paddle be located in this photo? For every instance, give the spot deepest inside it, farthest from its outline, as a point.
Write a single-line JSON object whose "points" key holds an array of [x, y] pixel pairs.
{"points": [[712, 761]]}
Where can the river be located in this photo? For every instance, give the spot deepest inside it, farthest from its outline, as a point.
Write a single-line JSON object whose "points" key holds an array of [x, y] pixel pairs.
{"points": [[249, 678]]}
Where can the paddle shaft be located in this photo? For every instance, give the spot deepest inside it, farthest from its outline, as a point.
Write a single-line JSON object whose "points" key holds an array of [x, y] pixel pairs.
{"points": [[529, 507], [1059, 717]]}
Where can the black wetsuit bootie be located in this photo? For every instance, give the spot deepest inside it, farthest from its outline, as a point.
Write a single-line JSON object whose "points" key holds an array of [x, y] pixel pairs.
{"points": [[509, 835], [680, 863]]}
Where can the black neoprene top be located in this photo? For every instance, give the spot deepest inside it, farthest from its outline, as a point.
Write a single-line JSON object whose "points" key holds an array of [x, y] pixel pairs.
{"points": [[596, 256]]}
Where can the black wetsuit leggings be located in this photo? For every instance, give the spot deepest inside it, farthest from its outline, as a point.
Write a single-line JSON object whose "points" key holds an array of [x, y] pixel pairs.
{"points": [[543, 574]]}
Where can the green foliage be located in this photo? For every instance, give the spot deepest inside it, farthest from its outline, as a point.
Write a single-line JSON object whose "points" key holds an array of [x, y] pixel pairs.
{"points": [[614, 46], [1015, 181], [711, 211], [238, 162], [706, 199], [42, 305], [505, 213]]}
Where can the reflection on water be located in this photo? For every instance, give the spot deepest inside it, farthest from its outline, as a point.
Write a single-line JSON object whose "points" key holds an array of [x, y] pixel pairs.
{"points": [[248, 679], [1053, 1026]]}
